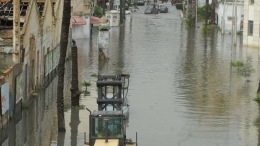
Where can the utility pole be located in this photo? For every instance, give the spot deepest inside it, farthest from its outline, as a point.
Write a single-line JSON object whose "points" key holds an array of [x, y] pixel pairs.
{"points": [[235, 31], [16, 31], [223, 18]]}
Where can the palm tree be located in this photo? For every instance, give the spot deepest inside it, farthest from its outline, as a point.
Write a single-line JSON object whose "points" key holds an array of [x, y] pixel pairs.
{"points": [[213, 12], [75, 93], [61, 66], [206, 12]]}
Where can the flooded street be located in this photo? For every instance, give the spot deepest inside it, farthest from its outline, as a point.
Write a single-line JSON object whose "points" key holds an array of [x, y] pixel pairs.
{"points": [[183, 90]]}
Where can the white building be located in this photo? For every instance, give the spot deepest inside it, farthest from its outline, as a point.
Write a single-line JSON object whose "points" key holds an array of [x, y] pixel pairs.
{"points": [[228, 16], [251, 34]]}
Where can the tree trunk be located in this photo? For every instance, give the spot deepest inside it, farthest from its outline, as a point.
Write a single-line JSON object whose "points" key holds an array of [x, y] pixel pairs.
{"points": [[124, 9], [74, 123], [189, 15], [74, 82], [193, 12], [121, 12], [207, 12], [258, 90], [104, 6], [213, 12], [61, 66]]}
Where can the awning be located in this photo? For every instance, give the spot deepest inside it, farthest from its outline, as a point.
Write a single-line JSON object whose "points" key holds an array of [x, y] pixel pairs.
{"points": [[78, 21], [94, 20]]}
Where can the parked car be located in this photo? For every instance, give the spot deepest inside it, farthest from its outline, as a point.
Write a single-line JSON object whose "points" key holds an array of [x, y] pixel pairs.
{"points": [[140, 2], [126, 6], [128, 12], [163, 9], [151, 9]]}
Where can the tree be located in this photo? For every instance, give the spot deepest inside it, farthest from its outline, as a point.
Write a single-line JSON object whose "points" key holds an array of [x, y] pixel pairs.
{"points": [[75, 93], [121, 12], [61, 66], [213, 12], [206, 12]]}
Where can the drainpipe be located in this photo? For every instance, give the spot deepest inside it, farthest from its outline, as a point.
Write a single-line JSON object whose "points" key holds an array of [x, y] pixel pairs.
{"points": [[16, 32]]}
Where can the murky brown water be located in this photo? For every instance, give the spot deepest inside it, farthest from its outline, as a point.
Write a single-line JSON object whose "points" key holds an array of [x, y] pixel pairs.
{"points": [[183, 90]]}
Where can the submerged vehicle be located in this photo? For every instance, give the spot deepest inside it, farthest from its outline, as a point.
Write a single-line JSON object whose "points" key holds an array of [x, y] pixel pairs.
{"points": [[107, 126]]}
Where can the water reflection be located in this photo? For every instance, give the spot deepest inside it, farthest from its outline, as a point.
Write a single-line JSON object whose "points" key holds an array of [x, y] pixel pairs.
{"points": [[33, 126], [74, 123]]}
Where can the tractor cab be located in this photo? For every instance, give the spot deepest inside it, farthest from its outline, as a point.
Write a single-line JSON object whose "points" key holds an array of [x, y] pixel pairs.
{"points": [[107, 127]]}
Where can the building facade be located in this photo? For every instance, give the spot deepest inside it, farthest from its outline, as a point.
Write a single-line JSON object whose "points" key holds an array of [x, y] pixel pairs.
{"points": [[226, 15], [251, 31], [36, 45]]}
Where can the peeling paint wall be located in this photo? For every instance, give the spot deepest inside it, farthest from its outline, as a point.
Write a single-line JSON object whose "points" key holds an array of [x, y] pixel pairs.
{"points": [[41, 38]]}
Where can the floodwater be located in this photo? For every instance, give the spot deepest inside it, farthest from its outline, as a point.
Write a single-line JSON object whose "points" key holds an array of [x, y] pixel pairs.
{"points": [[183, 90]]}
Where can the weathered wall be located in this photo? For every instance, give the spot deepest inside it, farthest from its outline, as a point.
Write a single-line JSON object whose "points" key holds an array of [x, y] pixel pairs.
{"points": [[39, 55]]}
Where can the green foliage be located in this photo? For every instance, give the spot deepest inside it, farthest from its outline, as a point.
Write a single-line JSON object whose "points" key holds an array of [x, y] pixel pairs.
{"points": [[69, 58], [205, 29], [86, 84], [37, 90], [94, 75], [237, 64], [66, 107], [98, 11], [188, 21], [201, 11], [25, 106], [247, 69], [179, 6], [129, 2], [80, 107], [239, 33], [1, 73], [257, 99], [135, 4]]}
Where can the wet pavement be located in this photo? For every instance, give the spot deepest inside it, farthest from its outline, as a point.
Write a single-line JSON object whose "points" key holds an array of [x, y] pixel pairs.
{"points": [[183, 90]]}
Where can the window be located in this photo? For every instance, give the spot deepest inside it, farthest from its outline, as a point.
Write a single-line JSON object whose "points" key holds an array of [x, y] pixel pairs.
{"points": [[250, 27], [114, 127]]}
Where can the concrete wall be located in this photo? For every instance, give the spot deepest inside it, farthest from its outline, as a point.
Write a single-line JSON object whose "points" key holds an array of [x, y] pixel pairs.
{"points": [[228, 13], [81, 31], [252, 13], [40, 40], [82, 9]]}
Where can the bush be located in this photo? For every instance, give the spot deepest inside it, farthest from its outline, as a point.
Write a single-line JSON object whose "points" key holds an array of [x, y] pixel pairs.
{"points": [[206, 29], [188, 21], [237, 64], [179, 6], [201, 11], [257, 99], [98, 11], [246, 70]]}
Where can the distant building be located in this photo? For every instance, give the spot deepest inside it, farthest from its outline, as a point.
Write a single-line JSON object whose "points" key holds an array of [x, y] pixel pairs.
{"points": [[228, 15]]}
